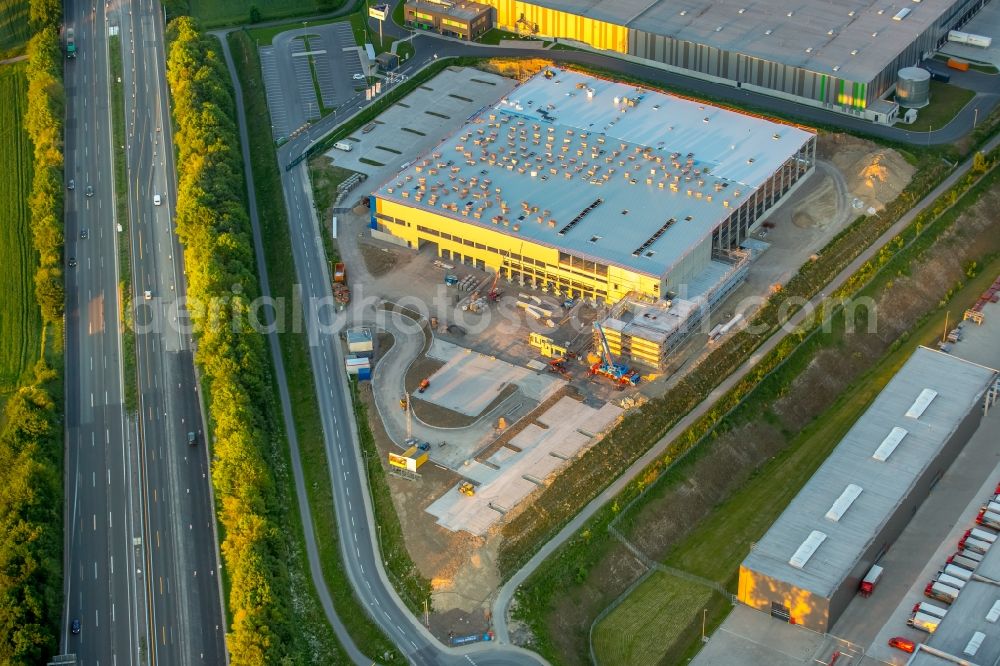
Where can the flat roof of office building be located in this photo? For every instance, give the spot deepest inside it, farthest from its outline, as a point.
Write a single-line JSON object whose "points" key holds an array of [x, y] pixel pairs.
{"points": [[966, 616], [823, 532], [460, 10], [605, 170], [853, 41]]}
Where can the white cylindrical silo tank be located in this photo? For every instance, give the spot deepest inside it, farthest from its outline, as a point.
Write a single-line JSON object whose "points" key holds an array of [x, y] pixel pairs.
{"points": [[913, 88]]}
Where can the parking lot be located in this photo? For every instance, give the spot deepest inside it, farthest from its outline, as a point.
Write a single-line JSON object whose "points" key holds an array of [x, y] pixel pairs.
{"points": [[288, 65]]}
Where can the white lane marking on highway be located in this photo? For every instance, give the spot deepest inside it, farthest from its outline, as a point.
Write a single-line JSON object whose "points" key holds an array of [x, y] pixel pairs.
{"points": [[112, 565], [95, 569], [91, 399], [95, 524], [387, 615], [91, 363], [105, 362], [92, 439], [93, 479], [113, 619], [109, 519], [352, 521], [109, 476]]}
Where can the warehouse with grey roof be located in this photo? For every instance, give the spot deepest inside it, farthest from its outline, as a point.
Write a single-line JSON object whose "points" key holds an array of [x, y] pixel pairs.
{"points": [[809, 564], [841, 55]]}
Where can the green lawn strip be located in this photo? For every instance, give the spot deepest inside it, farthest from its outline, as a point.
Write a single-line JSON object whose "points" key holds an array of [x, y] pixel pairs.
{"points": [[131, 387], [413, 588], [946, 101], [217, 13], [405, 51], [747, 514], [496, 35], [295, 353], [656, 614], [20, 317]]}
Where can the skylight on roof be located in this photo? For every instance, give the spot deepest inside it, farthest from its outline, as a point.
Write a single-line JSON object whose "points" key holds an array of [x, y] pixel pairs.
{"points": [[806, 550], [889, 444], [902, 14], [974, 643], [994, 613], [844, 502], [922, 402]]}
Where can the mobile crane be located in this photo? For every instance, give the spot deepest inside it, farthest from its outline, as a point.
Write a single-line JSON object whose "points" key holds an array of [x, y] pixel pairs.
{"points": [[606, 367]]}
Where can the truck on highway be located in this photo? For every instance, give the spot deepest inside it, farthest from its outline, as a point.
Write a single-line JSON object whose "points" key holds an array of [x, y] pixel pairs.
{"points": [[70, 43], [344, 146]]}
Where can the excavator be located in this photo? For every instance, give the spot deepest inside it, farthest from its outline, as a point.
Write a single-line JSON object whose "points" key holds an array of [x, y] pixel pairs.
{"points": [[467, 489], [494, 293]]}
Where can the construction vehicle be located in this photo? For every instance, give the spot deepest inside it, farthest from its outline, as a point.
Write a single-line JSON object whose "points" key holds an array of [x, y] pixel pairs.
{"points": [[558, 364], [606, 367], [494, 294], [424, 384], [339, 272], [404, 402], [70, 43], [467, 489]]}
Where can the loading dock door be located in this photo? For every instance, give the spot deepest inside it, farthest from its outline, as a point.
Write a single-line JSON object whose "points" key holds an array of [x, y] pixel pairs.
{"points": [[780, 612]]}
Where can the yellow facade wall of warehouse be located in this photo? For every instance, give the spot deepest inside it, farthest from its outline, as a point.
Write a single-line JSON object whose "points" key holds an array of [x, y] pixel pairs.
{"points": [[517, 16], [515, 258]]}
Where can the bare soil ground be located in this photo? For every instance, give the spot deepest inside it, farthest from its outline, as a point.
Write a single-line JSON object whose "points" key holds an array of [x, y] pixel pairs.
{"points": [[874, 175], [378, 260], [737, 453]]}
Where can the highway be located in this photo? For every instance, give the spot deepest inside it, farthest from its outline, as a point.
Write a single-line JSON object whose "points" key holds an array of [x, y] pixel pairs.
{"points": [[141, 561], [181, 556], [101, 467]]}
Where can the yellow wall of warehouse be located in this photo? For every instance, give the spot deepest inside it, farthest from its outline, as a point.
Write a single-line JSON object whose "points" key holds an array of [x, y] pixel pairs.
{"points": [[495, 246], [554, 23]]}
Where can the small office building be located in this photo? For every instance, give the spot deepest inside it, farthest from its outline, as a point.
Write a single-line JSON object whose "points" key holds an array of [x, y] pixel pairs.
{"points": [[809, 565], [464, 20]]}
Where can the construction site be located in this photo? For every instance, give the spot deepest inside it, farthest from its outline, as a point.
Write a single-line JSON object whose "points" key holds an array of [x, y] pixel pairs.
{"points": [[486, 380]]}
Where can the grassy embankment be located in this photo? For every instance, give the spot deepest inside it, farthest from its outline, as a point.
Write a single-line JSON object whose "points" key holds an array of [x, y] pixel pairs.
{"points": [[131, 388], [295, 353]]}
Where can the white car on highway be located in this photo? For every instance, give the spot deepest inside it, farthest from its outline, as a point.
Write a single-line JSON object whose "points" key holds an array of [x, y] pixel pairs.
{"points": [[156, 200]]}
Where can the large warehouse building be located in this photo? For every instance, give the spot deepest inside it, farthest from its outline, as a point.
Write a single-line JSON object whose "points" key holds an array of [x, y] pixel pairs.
{"points": [[841, 55], [808, 566], [596, 189]]}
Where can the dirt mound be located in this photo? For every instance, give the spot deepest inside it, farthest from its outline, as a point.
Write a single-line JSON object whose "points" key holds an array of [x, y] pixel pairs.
{"points": [[874, 175]]}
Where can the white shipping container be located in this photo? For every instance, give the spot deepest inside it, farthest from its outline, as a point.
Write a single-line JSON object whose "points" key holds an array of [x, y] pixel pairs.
{"points": [[977, 545], [957, 572], [943, 592], [964, 562], [951, 581], [931, 609], [982, 535]]}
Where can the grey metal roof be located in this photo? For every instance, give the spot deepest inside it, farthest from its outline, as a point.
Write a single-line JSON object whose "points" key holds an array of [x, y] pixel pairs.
{"points": [[460, 9], [667, 170], [826, 27], [966, 616], [884, 485]]}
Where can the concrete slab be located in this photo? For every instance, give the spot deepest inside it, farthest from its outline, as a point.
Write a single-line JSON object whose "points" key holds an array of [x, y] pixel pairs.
{"points": [[751, 638], [521, 472], [468, 382], [979, 342]]}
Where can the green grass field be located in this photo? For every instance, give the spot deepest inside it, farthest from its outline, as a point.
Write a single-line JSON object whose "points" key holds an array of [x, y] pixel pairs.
{"points": [[637, 631], [237, 12], [14, 32], [946, 101], [20, 318]]}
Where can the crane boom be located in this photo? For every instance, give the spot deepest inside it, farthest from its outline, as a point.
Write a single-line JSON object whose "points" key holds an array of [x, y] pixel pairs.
{"points": [[604, 346]]}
